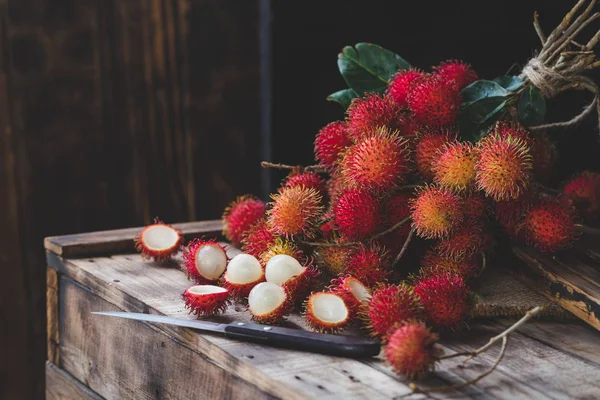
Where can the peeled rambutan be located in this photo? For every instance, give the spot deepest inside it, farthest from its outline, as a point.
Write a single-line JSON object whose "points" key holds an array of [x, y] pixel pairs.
{"points": [[158, 241], [240, 215], [281, 246], [455, 168], [464, 242], [286, 271], [436, 212], [330, 142], [402, 83], [333, 259], [435, 101], [584, 191], [504, 167], [357, 214], [550, 224], [268, 303], [389, 306], [243, 272], [295, 211], [326, 312], [204, 300], [378, 162], [545, 156], [258, 239], [204, 260], [366, 114], [306, 179], [427, 150], [445, 298], [434, 264], [369, 262], [352, 291], [458, 71], [411, 350]]}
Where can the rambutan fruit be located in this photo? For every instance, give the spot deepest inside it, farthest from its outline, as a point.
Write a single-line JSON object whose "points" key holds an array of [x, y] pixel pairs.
{"points": [[243, 272], [411, 350], [369, 262], [281, 246], [258, 239], [545, 156], [550, 224], [240, 215], [427, 149], [204, 300], [583, 190], [516, 130], [332, 259], [357, 214], [326, 312], [474, 208], [378, 162], [436, 212], [158, 241], [435, 101], [397, 209], [464, 242], [402, 84], [295, 211], [286, 271], [306, 179], [366, 114], [352, 291], [445, 298], [458, 71], [455, 168], [330, 142], [434, 264], [268, 303], [204, 260], [389, 306], [510, 213]]}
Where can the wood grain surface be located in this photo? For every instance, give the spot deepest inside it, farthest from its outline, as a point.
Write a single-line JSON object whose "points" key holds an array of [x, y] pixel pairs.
{"points": [[61, 385]]}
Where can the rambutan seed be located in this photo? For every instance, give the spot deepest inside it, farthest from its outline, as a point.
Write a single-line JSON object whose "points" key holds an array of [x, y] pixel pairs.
{"points": [[583, 190], [435, 101], [436, 212], [455, 168], [458, 71], [330, 142], [427, 149], [295, 211], [411, 350], [366, 114], [357, 214], [550, 224], [402, 84], [240, 215]]}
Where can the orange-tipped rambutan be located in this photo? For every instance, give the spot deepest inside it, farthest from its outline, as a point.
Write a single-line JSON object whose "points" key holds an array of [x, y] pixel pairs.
{"points": [[258, 239], [389, 306], [357, 214], [504, 167], [204, 300], [369, 262], [584, 191], [354, 293], [281, 246], [402, 84], [268, 303], [550, 224], [458, 71], [295, 211], [455, 168], [434, 264], [204, 261], [545, 156], [330, 142], [306, 179], [333, 259], [435, 101], [379, 162], [158, 241], [243, 272], [366, 114], [445, 298], [411, 350], [326, 312], [464, 242], [427, 150], [240, 215], [436, 212]]}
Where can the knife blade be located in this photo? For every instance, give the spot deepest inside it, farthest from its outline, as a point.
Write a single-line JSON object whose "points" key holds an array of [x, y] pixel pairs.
{"points": [[276, 336]]}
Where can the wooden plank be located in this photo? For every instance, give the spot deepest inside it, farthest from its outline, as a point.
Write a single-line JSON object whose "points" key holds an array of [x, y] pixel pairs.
{"points": [[52, 316], [119, 240], [61, 385]]}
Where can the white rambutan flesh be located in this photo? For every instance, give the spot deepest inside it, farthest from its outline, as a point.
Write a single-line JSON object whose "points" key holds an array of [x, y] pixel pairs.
{"points": [[243, 272], [281, 268], [210, 261], [267, 302], [206, 299], [158, 241], [326, 312], [360, 291]]}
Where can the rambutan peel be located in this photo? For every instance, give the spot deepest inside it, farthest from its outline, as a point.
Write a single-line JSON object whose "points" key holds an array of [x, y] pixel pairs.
{"points": [[158, 241], [204, 300]]}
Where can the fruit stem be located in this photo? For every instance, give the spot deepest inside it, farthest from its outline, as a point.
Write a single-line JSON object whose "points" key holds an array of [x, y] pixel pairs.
{"points": [[590, 230], [309, 168], [405, 246]]}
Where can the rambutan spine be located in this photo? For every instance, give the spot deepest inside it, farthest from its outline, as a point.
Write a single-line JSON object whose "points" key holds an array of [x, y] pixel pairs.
{"points": [[357, 214], [366, 114], [435, 101]]}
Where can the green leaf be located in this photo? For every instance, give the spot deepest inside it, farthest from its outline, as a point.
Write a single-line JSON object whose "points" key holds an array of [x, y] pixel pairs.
{"points": [[477, 117], [367, 67], [344, 97], [510, 83], [480, 90], [532, 107]]}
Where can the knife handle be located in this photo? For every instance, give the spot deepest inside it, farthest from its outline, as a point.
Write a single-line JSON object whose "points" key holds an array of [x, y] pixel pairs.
{"points": [[297, 339]]}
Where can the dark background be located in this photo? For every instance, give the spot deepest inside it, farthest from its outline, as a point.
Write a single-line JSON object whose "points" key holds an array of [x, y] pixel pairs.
{"points": [[113, 112]]}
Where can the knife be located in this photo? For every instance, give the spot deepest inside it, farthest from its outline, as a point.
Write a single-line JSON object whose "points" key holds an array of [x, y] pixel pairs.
{"points": [[296, 339]]}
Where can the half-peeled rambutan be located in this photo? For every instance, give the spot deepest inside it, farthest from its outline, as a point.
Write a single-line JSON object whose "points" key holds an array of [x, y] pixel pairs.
{"points": [[434, 264], [550, 224], [370, 262], [286, 271], [402, 84], [464, 242], [366, 114], [330, 142], [354, 293], [584, 191], [455, 168], [204, 260], [295, 211], [206, 299], [158, 241], [458, 71], [268, 303], [240, 215], [306, 179], [411, 350], [243, 272], [326, 312], [436, 212], [427, 149], [435, 101], [258, 239], [357, 214]]}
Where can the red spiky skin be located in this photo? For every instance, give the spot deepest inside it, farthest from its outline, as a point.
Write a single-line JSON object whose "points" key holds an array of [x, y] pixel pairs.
{"points": [[357, 214], [318, 324], [378, 162], [333, 259], [455, 168], [206, 304], [306, 179], [465, 242], [365, 115], [510, 213], [258, 239], [458, 71], [397, 209], [391, 305], [435, 101], [434, 264], [584, 191], [505, 166], [409, 125], [474, 208], [436, 212], [402, 84], [295, 211], [240, 291], [240, 215], [189, 260], [157, 255], [445, 299], [330, 142], [341, 287], [411, 350], [545, 156], [427, 150], [505, 128], [550, 224], [369, 262]]}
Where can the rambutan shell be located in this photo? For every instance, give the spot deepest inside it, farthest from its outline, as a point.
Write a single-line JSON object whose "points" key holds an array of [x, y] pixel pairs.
{"points": [[436, 212], [545, 157], [326, 312], [397, 209], [435, 101], [357, 214], [366, 114], [204, 260], [204, 300], [411, 350], [455, 168], [333, 259], [330, 142], [427, 149], [281, 246], [550, 224], [295, 211], [402, 84], [464, 242], [240, 216], [158, 241], [306, 179]]}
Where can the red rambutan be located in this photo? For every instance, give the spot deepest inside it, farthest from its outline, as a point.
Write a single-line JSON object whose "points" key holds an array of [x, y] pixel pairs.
{"points": [[550, 224], [435, 101], [357, 214], [295, 211], [204, 261], [455, 167], [306, 179], [369, 262], [436, 212], [473, 206], [330, 142], [206, 299], [402, 83], [390, 306], [545, 156], [326, 312], [366, 114], [434, 264], [158, 241], [464, 242], [352, 291], [258, 239], [397, 209], [427, 150], [240, 215], [458, 71], [505, 129], [411, 350], [584, 191], [510, 213]]}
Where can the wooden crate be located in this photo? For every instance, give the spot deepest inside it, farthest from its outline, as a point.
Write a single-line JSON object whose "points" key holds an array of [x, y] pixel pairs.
{"points": [[94, 357]]}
